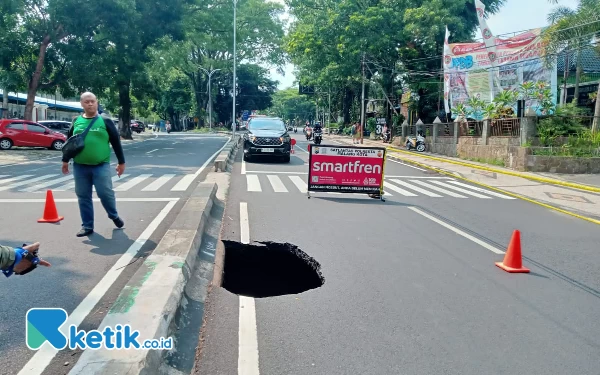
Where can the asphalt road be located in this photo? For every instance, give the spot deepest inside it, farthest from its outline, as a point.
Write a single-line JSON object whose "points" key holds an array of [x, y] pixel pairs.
{"points": [[161, 172], [410, 283]]}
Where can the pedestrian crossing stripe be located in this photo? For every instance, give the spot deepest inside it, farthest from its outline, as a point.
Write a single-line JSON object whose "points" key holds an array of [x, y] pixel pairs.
{"points": [[405, 187], [126, 182]]}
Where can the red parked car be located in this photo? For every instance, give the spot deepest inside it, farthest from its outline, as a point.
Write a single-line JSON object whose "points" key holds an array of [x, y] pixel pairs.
{"points": [[22, 133]]}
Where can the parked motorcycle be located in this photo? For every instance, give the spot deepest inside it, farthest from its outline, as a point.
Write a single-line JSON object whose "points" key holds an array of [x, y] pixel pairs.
{"points": [[295, 129], [417, 143], [385, 137], [318, 136]]}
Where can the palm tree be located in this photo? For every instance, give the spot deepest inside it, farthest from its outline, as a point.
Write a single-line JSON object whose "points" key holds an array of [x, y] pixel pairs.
{"points": [[573, 29]]}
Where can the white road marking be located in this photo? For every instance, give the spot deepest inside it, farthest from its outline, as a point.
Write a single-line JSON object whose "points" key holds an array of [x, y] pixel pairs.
{"points": [[457, 231], [46, 184], [301, 149], [184, 183], [395, 188], [277, 184], [159, 182], [277, 172], [71, 184], [299, 182], [187, 180], [149, 152], [416, 188], [461, 190], [253, 182], [247, 334], [74, 200], [131, 183], [243, 166], [388, 194], [437, 188], [42, 358], [423, 177], [406, 165], [483, 190], [244, 223], [21, 183], [17, 178]]}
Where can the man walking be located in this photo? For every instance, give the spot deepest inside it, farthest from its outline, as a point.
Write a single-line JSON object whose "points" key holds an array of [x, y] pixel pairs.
{"points": [[91, 167]]}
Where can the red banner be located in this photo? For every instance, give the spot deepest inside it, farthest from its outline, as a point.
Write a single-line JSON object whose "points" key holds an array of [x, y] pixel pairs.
{"points": [[346, 169]]}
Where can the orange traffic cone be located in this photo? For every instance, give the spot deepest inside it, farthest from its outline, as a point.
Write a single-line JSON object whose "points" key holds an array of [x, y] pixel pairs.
{"points": [[50, 213], [512, 260]]}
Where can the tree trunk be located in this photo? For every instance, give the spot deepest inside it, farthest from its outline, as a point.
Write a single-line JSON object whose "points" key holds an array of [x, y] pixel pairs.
{"points": [[577, 78], [35, 78], [4, 102], [596, 122], [125, 115], [347, 105]]}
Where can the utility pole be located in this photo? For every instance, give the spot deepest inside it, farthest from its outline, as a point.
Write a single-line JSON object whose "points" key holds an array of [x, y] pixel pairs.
{"points": [[329, 110], [362, 102], [234, 66], [209, 95]]}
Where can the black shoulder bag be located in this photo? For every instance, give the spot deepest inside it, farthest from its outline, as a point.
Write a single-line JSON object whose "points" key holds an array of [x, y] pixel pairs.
{"points": [[75, 144]]}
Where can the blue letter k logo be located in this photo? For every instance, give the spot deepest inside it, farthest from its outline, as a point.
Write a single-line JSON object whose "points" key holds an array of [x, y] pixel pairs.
{"points": [[44, 325]]}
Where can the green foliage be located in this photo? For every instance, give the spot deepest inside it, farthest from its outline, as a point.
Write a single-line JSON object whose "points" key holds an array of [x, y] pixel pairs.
{"points": [[566, 122], [328, 38], [289, 105], [371, 125]]}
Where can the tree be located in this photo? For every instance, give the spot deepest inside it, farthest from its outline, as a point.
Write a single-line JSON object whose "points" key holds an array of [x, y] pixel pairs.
{"points": [[209, 44], [254, 91], [290, 105], [399, 40], [574, 29], [45, 25]]}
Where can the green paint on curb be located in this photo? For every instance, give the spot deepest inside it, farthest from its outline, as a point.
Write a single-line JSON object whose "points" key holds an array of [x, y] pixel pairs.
{"points": [[177, 265], [126, 298]]}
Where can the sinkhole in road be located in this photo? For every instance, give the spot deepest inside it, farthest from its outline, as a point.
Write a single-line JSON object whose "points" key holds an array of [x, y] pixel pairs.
{"points": [[269, 269]]}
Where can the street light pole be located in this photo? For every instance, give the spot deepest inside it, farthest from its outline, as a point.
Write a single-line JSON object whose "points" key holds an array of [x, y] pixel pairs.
{"points": [[234, 65], [209, 95]]}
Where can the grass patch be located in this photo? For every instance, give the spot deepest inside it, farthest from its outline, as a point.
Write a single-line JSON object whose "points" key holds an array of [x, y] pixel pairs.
{"points": [[497, 162], [578, 152], [207, 130]]}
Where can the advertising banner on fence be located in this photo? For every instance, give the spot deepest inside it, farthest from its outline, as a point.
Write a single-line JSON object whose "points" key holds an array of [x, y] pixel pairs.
{"points": [[470, 68], [346, 169]]}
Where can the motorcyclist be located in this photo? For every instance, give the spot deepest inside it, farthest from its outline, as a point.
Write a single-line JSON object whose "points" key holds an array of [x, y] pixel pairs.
{"points": [[318, 127], [308, 129]]}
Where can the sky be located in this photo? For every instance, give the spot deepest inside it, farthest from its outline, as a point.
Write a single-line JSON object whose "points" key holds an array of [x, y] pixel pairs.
{"points": [[515, 15]]}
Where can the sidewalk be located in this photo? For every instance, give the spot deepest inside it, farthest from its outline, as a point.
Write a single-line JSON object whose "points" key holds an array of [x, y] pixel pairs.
{"points": [[577, 202]]}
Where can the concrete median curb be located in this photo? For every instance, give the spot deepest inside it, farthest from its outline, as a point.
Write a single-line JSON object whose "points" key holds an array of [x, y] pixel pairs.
{"points": [[502, 171], [227, 155], [151, 298]]}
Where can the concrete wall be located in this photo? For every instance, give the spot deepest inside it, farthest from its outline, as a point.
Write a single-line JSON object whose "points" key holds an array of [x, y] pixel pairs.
{"points": [[443, 146], [562, 164], [499, 149]]}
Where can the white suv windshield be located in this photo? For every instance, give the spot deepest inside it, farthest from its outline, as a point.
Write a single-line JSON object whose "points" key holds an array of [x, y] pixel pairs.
{"points": [[266, 125]]}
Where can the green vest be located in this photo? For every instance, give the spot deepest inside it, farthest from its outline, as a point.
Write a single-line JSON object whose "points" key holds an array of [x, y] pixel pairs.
{"points": [[97, 148]]}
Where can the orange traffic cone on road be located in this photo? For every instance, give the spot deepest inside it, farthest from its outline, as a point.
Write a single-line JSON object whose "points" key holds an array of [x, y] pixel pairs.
{"points": [[50, 212], [513, 261]]}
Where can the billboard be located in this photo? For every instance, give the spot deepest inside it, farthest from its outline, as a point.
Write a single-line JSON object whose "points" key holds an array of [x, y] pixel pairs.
{"points": [[346, 169], [473, 70]]}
